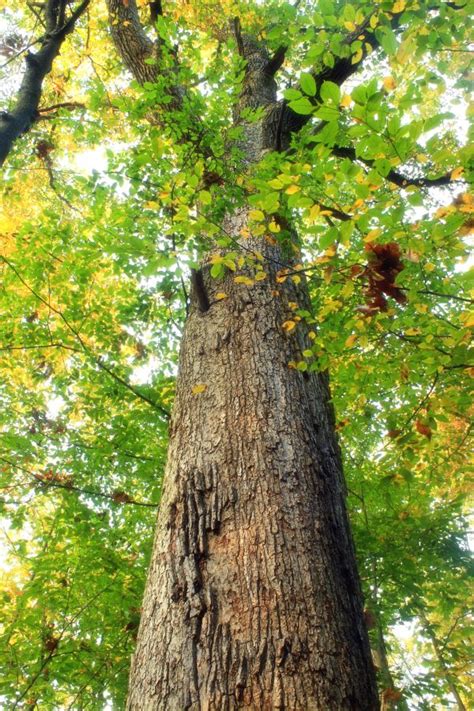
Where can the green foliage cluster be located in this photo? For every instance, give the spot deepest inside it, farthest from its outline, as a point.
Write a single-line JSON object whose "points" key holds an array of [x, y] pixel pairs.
{"points": [[104, 212]]}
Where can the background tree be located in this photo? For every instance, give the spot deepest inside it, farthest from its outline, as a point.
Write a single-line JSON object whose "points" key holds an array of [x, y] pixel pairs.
{"points": [[95, 305]]}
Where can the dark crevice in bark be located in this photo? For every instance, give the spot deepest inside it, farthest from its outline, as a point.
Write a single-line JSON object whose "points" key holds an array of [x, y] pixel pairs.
{"points": [[199, 291]]}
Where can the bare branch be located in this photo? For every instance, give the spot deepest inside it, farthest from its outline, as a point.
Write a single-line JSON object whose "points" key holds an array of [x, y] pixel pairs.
{"points": [[277, 60], [238, 35], [156, 11]]}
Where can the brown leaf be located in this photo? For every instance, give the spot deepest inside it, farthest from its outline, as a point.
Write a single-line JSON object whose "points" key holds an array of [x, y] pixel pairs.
{"points": [[423, 429]]}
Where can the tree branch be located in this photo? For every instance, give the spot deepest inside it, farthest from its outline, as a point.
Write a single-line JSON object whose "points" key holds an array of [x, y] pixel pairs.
{"points": [[96, 359], [18, 121], [118, 497], [344, 66], [156, 10], [393, 176], [132, 43], [277, 60]]}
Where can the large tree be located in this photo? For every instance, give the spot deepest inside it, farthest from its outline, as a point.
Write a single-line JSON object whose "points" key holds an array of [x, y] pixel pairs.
{"points": [[282, 156]]}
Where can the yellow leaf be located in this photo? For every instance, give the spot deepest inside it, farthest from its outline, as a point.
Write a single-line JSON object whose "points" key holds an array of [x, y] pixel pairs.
{"points": [[347, 289], [199, 388], [216, 259], [289, 326], [314, 213], [274, 227], [346, 101], [256, 215], [293, 305], [457, 172], [221, 295], [243, 280], [229, 263], [357, 56], [412, 332], [399, 6], [372, 235], [296, 279], [349, 26], [292, 189], [260, 276], [467, 319], [327, 275], [429, 267], [276, 184], [351, 340], [374, 21], [389, 83], [312, 335]]}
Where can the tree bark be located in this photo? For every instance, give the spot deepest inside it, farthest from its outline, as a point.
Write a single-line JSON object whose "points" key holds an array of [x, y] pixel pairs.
{"points": [[253, 599], [19, 120]]}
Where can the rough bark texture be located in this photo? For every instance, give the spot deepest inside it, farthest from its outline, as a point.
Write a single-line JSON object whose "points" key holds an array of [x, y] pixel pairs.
{"points": [[132, 42], [252, 599]]}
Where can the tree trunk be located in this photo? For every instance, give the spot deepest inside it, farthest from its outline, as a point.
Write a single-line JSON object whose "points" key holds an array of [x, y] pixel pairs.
{"points": [[252, 599]]}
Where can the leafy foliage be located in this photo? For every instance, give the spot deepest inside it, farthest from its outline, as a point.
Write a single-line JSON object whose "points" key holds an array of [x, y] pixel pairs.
{"points": [[115, 193]]}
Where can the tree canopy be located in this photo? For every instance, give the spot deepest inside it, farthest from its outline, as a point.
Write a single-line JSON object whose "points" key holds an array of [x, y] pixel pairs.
{"points": [[121, 160]]}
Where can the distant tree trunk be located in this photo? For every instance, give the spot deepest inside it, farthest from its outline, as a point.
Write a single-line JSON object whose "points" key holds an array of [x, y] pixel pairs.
{"points": [[253, 598]]}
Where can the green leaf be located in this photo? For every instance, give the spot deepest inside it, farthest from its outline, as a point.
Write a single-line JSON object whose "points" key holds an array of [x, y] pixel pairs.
{"points": [[217, 270], [327, 113], [308, 84], [302, 106], [330, 93], [387, 39], [205, 197], [326, 7], [292, 94]]}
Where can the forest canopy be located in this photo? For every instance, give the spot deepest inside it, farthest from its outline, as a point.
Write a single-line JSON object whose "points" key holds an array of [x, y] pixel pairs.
{"points": [[114, 189]]}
